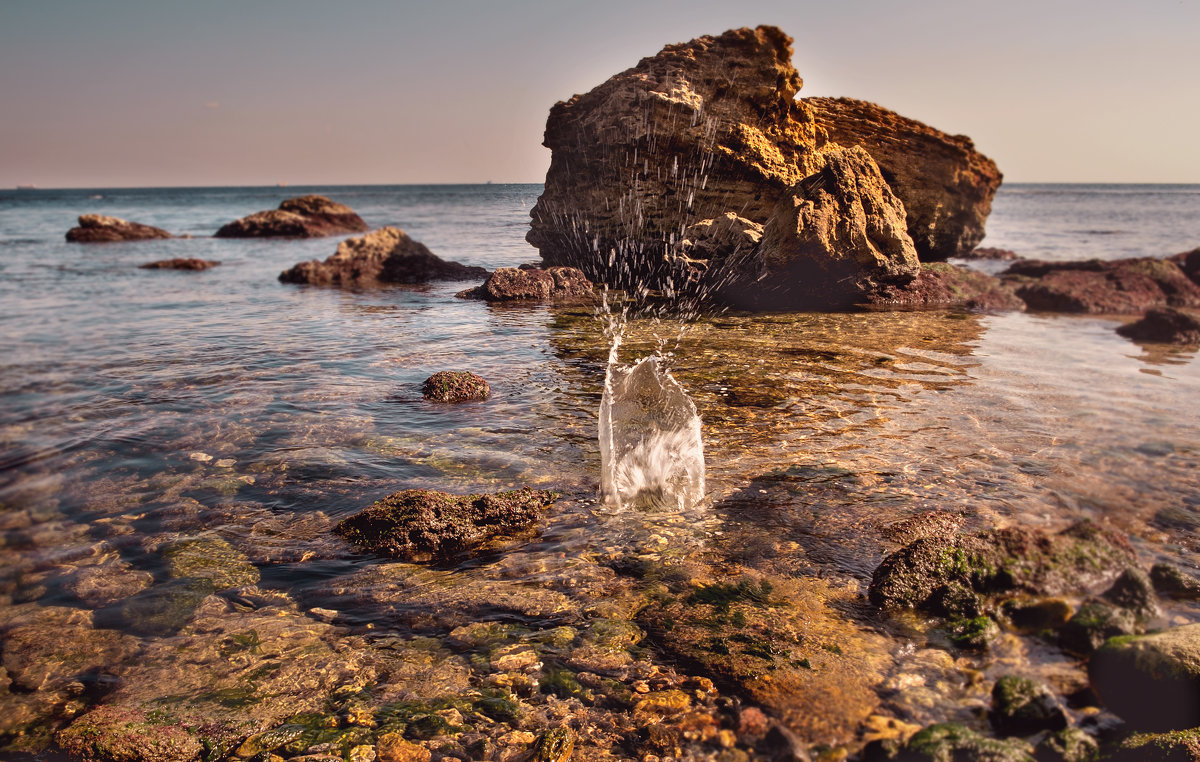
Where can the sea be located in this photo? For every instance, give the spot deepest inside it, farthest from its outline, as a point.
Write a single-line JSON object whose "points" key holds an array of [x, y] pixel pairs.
{"points": [[140, 409]]}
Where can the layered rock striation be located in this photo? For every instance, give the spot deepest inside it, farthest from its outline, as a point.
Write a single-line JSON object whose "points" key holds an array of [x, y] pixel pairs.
{"points": [[711, 130], [302, 217], [100, 228], [387, 255]]}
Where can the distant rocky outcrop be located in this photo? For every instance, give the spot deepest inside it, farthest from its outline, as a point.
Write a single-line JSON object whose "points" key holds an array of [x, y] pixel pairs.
{"points": [[387, 255], [531, 284], [303, 217], [180, 263], [945, 184], [100, 228], [1117, 287], [710, 130]]}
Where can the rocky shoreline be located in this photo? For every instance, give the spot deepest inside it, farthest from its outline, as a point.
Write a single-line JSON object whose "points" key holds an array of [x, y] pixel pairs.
{"points": [[661, 644]]}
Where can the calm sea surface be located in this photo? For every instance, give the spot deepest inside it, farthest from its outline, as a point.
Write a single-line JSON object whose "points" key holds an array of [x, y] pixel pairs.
{"points": [[138, 408]]}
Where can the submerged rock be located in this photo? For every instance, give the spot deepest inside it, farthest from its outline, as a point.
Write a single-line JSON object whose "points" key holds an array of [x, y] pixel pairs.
{"points": [[180, 263], [943, 285], [211, 559], [424, 525], [455, 386], [951, 742], [99, 228], [1121, 286], [1164, 325], [1151, 681], [303, 217], [834, 237], [946, 186], [122, 734], [531, 284], [387, 255]]}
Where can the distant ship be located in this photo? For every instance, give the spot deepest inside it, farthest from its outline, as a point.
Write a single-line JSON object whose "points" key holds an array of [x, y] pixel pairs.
{"points": [[26, 187]]}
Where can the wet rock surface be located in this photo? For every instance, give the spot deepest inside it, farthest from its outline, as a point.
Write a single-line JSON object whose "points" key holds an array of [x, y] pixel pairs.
{"points": [[302, 217], [455, 386], [1151, 681], [100, 228], [532, 284], [1120, 287], [180, 263], [423, 525], [1022, 707], [948, 574], [941, 285], [1164, 325], [946, 186], [387, 255]]}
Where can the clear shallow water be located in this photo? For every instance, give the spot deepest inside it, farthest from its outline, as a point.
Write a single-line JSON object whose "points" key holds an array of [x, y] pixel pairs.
{"points": [[139, 408]]}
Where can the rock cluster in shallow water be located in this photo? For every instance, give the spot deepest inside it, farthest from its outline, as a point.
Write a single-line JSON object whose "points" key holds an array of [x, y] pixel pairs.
{"points": [[302, 217], [387, 255], [100, 228]]}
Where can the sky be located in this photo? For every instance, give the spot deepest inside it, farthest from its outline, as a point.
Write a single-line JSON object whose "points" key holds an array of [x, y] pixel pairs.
{"points": [[258, 92]]}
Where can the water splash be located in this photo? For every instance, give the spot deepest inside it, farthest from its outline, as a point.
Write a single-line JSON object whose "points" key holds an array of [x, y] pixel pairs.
{"points": [[651, 449]]}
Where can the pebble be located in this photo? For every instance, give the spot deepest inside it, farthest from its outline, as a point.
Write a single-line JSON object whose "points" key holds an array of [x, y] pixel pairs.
{"points": [[224, 462], [203, 457], [517, 737]]}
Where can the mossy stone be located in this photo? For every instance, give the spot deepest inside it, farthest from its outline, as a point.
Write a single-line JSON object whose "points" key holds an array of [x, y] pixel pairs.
{"points": [[1022, 707], [950, 742], [213, 559], [1068, 745]]}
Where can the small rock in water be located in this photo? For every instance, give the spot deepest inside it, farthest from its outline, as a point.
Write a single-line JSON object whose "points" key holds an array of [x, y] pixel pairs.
{"points": [[455, 386], [225, 463], [1164, 325], [203, 457], [180, 263]]}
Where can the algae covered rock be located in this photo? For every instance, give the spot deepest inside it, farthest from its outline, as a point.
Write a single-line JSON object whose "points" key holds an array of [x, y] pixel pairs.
{"points": [[1117, 287], [424, 525], [302, 217], [1176, 746], [1151, 681], [455, 386], [1174, 582], [1093, 624], [950, 742], [1164, 325], [1021, 707], [121, 734], [100, 228], [211, 559], [936, 573], [940, 285]]}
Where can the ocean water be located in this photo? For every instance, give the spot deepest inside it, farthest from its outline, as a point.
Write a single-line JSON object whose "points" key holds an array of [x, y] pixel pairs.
{"points": [[140, 409]]}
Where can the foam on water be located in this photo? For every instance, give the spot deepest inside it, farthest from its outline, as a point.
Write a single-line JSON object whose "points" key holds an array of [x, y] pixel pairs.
{"points": [[651, 449]]}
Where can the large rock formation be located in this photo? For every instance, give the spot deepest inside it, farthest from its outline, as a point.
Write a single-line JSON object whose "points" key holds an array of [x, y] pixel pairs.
{"points": [[302, 217], [387, 255], [100, 228], [946, 185], [835, 235], [711, 129]]}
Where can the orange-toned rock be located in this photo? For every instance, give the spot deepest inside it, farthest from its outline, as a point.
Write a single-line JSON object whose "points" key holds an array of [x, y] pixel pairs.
{"points": [[387, 255], [531, 284], [946, 185]]}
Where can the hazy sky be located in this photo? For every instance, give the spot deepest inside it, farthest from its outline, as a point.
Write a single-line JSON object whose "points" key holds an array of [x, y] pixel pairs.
{"points": [[255, 92]]}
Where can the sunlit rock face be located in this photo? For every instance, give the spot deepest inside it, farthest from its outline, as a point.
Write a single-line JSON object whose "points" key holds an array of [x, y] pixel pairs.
{"points": [[946, 185], [712, 128], [702, 128]]}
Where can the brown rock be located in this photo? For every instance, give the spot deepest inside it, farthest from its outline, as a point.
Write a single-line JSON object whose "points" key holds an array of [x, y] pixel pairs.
{"points": [[391, 747], [99, 228], [942, 285], [834, 237], [423, 525], [455, 386], [988, 253], [387, 255], [302, 217], [1120, 286], [945, 184], [180, 263], [1189, 261], [120, 734], [513, 284], [702, 128], [1164, 325]]}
